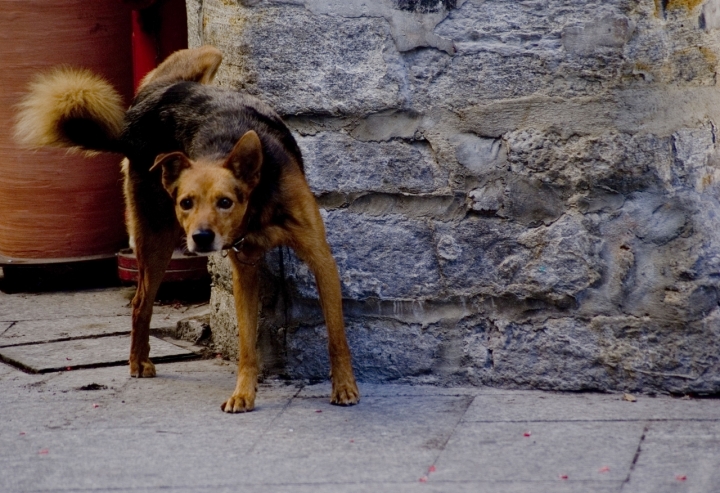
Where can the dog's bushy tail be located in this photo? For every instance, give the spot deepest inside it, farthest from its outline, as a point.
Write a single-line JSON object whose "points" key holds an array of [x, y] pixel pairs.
{"points": [[71, 108]]}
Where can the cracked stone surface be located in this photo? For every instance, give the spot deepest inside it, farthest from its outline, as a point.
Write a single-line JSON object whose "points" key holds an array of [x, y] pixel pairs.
{"points": [[85, 352], [50, 332], [99, 430], [517, 193]]}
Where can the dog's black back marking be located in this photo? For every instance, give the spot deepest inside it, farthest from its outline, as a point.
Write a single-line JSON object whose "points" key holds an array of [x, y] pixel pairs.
{"points": [[206, 122], [201, 121], [274, 124]]}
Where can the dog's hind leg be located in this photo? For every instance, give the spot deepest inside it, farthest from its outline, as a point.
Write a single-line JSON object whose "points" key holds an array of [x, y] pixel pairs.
{"points": [[151, 222], [246, 291], [153, 252]]}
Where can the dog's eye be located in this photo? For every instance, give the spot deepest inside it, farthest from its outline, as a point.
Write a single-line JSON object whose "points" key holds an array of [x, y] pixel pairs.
{"points": [[224, 203], [186, 204]]}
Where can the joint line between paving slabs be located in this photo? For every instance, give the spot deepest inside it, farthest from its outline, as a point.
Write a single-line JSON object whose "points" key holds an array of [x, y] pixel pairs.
{"points": [[619, 420], [12, 324], [67, 339], [468, 402], [637, 456], [272, 421], [18, 365]]}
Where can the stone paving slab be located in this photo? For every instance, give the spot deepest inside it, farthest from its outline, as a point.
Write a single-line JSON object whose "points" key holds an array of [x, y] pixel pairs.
{"points": [[578, 450], [168, 397], [80, 353], [676, 450], [320, 390], [161, 432], [98, 430], [168, 434], [75, 304], [101, 303], [377, 487], [37, 331], [311, 434], [537, 406]]}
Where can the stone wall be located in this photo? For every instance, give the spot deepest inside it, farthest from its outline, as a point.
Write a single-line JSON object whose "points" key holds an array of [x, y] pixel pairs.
{"points": [[519, 193]]}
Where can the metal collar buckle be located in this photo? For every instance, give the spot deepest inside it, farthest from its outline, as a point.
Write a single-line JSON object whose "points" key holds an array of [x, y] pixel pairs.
{"points": [[235, 247], [238, 245]]}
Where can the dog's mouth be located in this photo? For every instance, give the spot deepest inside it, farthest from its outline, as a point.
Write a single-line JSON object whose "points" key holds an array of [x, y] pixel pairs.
{"points": [[203, 251]]}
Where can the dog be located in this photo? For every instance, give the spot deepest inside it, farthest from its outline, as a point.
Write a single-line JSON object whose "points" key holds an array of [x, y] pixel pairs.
{"points": [[212, 164]]}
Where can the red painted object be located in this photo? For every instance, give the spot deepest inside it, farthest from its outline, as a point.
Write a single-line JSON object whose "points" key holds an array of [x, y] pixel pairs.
{"points": [[159, 28], [144, 50]]}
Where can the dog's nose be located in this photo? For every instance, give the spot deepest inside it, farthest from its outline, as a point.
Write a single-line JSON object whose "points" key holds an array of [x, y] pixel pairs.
{"points": [[203, 239]]}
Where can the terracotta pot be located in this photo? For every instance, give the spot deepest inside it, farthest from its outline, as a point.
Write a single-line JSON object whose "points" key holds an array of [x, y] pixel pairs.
{"points": [[55, 206]]}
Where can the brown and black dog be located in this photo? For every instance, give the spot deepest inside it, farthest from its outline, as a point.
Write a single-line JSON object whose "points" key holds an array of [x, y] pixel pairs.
{"points": [[220, 166]]}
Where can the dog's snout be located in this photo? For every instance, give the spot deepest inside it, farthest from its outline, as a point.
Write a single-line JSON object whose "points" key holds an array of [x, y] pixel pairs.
{"points": [[203, 238]]}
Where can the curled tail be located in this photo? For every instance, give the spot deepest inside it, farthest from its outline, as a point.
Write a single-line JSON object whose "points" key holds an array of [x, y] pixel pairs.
{"points": [[71, 108]]}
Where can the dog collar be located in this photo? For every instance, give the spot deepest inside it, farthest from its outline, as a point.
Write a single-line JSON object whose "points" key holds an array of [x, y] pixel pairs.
{"points": [[235, 247], [238, 244]]}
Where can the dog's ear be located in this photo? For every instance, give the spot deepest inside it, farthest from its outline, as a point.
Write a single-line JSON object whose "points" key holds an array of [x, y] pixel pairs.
{"points": [[245, 160], [172, 165]]}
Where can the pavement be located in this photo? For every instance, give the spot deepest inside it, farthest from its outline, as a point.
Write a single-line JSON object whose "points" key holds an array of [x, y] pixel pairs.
{"points": [[93, 429]]}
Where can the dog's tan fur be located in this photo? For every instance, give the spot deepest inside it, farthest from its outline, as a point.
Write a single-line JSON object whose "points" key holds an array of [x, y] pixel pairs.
{"points": [[61, 94], [210, 194]]}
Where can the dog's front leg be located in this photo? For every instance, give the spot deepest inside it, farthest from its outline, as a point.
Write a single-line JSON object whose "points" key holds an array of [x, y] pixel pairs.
{"points": [[245, 289], [315, 251], [153, 252]]}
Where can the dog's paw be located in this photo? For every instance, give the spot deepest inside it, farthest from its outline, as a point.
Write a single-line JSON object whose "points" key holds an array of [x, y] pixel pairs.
{"points": [[345, 394], [239, 404], [142, 369]]}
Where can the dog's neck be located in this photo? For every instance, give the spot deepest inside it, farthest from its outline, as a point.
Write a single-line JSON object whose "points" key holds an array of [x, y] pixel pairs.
{"points": [[244, 252]]}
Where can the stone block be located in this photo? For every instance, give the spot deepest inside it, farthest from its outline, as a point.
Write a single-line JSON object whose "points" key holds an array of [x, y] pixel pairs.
{"points": [[194, 329], [273, 311], [695, 162], [223, 323], [488, 199], [496, 258], [610, 31], [381, 350], [385, 126], [336, 162], [412, 24], [478, 253], [511, 50], [658, 257], [557, 353], [312, 72], [609, 161], [387, 257], [479, 154], [710, 15]]}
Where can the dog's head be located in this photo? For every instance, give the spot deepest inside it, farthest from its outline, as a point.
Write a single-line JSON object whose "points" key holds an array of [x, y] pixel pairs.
{"points": [[211, 197]]}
